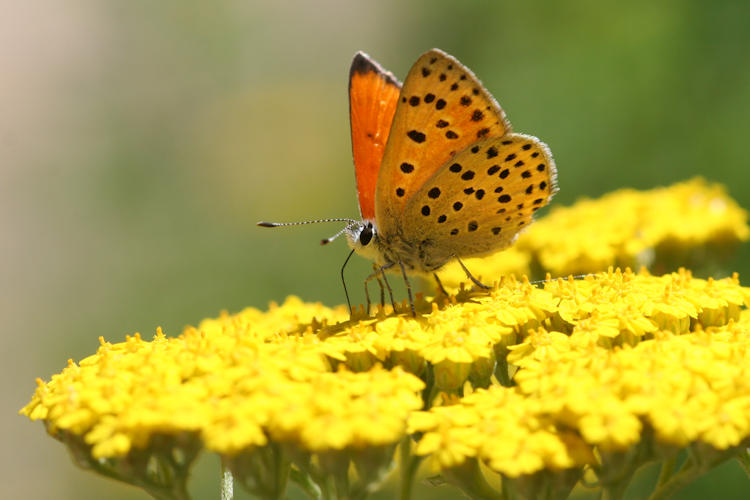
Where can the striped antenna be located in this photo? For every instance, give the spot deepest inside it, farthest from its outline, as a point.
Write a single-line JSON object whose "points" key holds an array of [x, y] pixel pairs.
{"points": [[322, 242], [279, 224]]}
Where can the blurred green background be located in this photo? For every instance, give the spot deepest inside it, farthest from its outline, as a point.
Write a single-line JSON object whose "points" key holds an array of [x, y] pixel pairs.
{"points": [[141, 141]]}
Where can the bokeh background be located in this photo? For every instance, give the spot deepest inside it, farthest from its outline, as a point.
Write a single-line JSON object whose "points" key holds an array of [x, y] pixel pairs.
{"points": [[141, 141]]}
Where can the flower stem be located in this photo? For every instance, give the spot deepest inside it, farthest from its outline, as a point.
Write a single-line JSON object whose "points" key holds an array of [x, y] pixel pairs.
{"points": [[227, 482], [744, 460], [667, 471], [469, 478], [282, 468], [305, 482], [674, 483], [501, 370], [409, 465]]}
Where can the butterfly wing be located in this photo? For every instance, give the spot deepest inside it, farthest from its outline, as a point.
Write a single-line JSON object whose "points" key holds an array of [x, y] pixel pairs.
{"points": [[373, 94], [443, 108], [479, 200]]}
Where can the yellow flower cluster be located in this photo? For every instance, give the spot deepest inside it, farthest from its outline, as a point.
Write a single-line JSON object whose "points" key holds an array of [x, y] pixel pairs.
{"points": [[501, 426], [574, 396], [661, 229], [237, 382], [523, 379], [601, 382]]}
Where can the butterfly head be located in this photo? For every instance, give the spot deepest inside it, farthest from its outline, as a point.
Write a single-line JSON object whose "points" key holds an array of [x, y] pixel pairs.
{"points": [[362, 237]]}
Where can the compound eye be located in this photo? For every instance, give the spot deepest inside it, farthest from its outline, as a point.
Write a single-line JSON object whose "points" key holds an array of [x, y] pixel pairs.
{"points": [[366, 235]]}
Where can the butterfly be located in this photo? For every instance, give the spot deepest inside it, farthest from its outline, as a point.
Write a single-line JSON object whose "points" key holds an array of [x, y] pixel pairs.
{"points": [[440, 175]]}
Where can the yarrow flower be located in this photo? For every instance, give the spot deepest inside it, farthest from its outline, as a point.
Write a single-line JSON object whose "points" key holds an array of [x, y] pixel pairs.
{"points": [[536, 385], [691, 224]]}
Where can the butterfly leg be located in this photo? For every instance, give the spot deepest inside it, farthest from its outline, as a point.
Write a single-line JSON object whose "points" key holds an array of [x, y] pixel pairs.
{"points": [[388, 286], [472, 278], [441, 288], [382, 288], [367, 295], [408, 289], [378, 271]]}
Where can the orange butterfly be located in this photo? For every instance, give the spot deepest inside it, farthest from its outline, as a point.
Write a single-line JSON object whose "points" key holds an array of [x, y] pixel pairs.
{"points": [[440, 175]]}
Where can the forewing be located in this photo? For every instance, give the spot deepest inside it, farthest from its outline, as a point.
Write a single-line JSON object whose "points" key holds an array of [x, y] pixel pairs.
{"points": [[480, 200], [443, 108], [373, 94]]}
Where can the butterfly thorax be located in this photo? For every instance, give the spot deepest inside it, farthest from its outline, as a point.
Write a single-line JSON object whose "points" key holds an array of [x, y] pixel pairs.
{"points": [[387, 250]]}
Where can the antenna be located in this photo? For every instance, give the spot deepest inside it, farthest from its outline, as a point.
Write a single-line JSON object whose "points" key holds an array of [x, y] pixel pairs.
{"points": [[279, 224], [322, 242], [328, 240]]}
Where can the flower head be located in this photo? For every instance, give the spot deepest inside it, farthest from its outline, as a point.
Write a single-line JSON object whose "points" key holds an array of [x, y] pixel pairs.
{"points": [[661, 229]]}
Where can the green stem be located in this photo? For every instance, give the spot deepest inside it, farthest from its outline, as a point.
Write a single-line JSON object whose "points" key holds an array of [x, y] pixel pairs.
{"points": [[281, 470], [343, 486], [170, 486], [329, 487], [744, 459], [409, 466], [667, 470], [677, 481], [305, 482], [501, 371], [617, 469], [227, 482], [700, 460], [469, 478], [506, 491]]}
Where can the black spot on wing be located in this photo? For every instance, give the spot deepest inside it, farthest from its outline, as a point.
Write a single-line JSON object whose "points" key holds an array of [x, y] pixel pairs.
{"points": [[416, 136]]}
